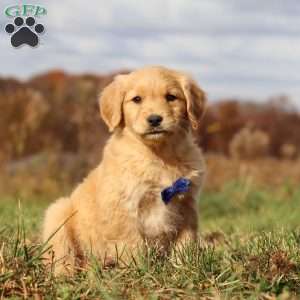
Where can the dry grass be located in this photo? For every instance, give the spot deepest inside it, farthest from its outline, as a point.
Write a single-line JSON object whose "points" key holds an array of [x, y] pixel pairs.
{"points": [[266, 171], [48, 175]]}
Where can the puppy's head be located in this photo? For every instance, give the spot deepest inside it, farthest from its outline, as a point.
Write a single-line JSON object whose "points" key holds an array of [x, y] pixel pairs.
{"points": [[154, 103]]}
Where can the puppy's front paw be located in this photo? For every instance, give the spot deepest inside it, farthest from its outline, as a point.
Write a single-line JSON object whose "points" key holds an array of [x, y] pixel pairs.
{"points": [[109, 262]]}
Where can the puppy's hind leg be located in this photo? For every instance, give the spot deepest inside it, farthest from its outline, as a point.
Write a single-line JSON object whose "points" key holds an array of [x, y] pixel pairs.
{"points": [[57, 234]]}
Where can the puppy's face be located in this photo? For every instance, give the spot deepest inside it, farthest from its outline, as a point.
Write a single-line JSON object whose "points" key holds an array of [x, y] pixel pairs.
{"points": [[154, 103]]}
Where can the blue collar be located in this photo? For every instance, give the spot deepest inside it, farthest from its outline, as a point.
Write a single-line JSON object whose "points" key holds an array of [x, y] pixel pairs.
{"points": [[181, 185]]}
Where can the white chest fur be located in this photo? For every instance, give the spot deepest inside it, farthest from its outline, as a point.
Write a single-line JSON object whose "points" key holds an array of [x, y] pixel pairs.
{"points": [[144, 200]]}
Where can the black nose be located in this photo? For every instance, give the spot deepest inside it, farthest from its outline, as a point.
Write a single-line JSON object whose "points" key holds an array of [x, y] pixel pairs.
{"points": [[154, 120]]}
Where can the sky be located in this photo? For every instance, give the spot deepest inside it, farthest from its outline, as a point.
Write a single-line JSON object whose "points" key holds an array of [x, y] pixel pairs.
{"points": [[233, 48]]}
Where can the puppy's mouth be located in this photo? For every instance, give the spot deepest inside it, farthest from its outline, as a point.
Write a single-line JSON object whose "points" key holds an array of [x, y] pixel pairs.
{"points": [[155, 133], [159, 131]]}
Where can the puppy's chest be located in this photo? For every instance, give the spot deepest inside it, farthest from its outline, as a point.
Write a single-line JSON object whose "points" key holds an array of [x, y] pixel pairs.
{"points": [[144, 190], [143, 200]]}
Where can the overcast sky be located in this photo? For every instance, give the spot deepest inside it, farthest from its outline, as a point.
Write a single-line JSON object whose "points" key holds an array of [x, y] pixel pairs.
{"points": [[243, 48]]}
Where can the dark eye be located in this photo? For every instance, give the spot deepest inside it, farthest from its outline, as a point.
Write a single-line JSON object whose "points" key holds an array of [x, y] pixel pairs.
{"points": [[170, 97], [137, 99]]}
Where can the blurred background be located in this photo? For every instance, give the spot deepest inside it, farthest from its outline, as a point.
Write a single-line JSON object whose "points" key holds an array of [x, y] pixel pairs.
{"points": [[244, 54]]}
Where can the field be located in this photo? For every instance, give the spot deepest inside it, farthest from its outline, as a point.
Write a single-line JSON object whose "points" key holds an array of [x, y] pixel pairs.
{"points": [[51, 136], [250, 250]]}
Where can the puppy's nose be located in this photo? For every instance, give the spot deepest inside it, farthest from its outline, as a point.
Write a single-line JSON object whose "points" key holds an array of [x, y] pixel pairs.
{"points": [[154, 120]]}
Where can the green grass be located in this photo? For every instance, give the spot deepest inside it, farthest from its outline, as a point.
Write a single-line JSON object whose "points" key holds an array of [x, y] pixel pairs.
{"points": [[252, 238]]}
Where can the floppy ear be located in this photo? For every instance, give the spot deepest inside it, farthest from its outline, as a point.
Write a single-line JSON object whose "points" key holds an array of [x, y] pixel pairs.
{"points": [[110, 101], [195, 100]]}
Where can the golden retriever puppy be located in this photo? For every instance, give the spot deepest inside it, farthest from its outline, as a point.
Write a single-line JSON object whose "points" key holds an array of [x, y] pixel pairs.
{"points": [[146, 187]]}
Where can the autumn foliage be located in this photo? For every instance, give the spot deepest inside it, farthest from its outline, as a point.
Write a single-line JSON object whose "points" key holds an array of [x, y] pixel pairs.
{"points": [[51, 122]]}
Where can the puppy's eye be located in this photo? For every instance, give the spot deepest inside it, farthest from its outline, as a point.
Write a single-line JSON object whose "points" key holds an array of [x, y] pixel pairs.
{"points": [[170, 97], [137, 99]]}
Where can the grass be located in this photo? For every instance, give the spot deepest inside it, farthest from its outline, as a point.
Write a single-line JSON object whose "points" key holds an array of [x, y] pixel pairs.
{"points": [[252, 252]]}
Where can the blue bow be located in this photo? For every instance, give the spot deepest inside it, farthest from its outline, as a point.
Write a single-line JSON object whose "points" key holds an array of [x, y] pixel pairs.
{"points": [[181, 185]]}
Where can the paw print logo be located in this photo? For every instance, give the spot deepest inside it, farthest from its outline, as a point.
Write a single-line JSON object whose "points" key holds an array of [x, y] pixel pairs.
{"points": [[24, 33]]}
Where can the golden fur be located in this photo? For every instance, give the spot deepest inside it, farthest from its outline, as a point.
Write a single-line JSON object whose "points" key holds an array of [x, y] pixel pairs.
{"points": [[119, 204]]}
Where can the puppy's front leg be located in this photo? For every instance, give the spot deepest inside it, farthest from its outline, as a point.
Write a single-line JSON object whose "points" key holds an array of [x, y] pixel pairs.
{"points": [[154, 221], [189, 230], [186, 236]]}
